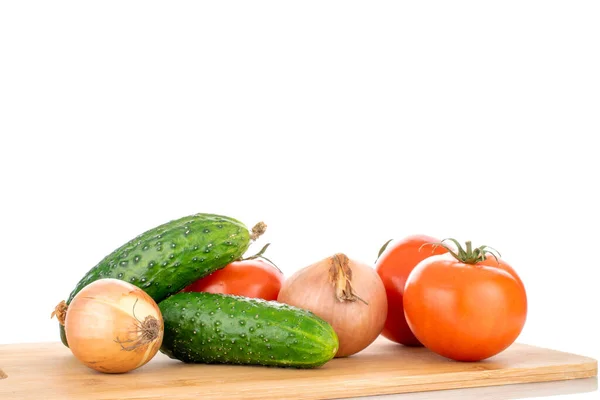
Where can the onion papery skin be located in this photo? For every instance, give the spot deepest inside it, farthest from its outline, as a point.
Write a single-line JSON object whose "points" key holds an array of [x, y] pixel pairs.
{"points": [[357, 322], [113, 326]]}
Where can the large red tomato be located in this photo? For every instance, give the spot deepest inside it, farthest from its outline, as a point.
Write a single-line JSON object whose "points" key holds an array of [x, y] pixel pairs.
{"points": [[393, 266], [250, 278], [465, 305]]}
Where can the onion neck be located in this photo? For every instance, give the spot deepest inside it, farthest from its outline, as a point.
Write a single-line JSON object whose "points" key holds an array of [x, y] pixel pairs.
{"points": [[61, 312], [340, 274]]}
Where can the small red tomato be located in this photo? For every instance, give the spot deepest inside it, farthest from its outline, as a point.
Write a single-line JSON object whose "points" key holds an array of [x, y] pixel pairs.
{"points": [[393, 266], [466, 305], [250, 278]]}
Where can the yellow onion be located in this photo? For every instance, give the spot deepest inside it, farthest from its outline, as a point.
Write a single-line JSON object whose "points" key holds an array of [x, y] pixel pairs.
{"points": [[346, 293], [113, 326]]}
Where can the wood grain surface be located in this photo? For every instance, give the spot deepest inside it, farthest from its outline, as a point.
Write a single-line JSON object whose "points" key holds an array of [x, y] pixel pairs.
{"points": [[49, 371]]}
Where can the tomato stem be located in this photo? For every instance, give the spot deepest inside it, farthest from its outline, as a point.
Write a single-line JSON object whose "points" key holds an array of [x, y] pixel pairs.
{"points": [[385, 245], [470, 255], [260, 255]]}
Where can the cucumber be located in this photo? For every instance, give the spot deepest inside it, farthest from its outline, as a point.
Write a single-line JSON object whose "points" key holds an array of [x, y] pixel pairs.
{"points": [[226, 329], [165, 259]]}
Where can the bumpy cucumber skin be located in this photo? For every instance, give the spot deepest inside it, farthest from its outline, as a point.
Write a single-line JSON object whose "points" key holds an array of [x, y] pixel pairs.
{"points": [[167, 258], [226, 329]]}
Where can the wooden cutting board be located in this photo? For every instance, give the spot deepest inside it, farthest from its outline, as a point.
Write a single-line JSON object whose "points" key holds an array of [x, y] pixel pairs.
{"points": [[49, 371]]}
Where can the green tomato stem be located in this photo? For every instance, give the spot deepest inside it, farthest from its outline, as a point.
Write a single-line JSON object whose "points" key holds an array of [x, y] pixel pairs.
{"points": [[469, 255], [260, 255]]}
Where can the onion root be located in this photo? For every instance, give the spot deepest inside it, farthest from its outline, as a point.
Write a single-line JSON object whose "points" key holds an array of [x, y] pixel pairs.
{"points": [[146, 331]]}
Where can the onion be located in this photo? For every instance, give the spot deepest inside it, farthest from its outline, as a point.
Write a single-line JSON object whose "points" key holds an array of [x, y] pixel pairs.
{"points": [[346, 293], [113, 326]]}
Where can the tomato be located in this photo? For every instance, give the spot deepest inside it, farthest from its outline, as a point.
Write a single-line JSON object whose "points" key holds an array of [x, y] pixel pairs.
{"points": [[250, 278], [465, 305], [393, 266]]}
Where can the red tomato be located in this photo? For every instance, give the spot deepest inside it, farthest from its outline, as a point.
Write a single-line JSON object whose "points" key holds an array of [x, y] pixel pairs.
{"points": [[393, 267], [465, 310], [250, 278]]}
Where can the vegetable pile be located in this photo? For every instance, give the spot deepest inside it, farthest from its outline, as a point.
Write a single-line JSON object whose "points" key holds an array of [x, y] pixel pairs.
{"points": [[184, 288]]}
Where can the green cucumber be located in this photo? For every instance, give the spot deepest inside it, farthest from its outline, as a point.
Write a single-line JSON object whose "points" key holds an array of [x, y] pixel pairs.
{"points": [[226, 329], [165, 259]]}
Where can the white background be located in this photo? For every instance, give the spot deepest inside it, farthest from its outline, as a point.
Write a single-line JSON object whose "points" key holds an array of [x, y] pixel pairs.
{"points": [[339, 124]]}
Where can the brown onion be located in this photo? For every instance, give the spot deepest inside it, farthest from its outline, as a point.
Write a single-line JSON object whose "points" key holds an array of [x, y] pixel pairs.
{"points": [[113, 326], [346, 293]]}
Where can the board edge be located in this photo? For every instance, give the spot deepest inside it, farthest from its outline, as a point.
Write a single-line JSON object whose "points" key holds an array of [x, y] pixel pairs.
{"points": [[587, 371]]}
